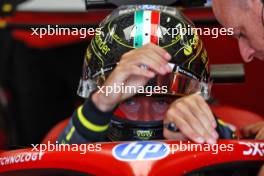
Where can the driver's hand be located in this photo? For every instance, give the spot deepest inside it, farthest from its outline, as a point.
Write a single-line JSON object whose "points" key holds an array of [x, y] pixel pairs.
{"points": [[254, 129], [135, 68], [194, 119]]}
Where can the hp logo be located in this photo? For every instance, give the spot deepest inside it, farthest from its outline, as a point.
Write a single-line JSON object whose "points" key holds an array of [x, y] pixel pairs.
{"points": [[141, 151]]}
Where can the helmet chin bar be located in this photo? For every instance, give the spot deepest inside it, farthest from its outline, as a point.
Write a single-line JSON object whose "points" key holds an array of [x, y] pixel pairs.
{"points": [[128, 130]]}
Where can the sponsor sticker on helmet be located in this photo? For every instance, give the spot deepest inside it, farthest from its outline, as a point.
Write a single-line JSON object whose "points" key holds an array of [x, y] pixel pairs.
{"points": [[147, 150], [148, 7]]}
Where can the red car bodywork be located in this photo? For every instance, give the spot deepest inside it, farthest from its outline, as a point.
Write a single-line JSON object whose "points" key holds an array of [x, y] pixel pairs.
{"points": [[105, 162]]}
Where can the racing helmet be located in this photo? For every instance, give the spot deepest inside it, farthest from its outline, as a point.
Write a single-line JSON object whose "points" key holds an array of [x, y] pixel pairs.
{"points": [[130, 27]]}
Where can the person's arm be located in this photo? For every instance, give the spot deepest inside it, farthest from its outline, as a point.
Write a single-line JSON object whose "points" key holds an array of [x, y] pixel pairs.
{"points": [[88, 124]]}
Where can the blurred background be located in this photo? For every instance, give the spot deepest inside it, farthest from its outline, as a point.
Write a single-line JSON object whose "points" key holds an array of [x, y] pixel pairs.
{"points": [[39, 76]]}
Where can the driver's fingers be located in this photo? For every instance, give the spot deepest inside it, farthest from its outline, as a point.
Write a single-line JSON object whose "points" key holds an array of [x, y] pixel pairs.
{"points": [[203, 118], [135, 70], [157, 49], [158, 67], [150, 59], [164, 63], [149, 48], [195, 121], [177, 118], [205, 108], [140, 59], [121, 73]]}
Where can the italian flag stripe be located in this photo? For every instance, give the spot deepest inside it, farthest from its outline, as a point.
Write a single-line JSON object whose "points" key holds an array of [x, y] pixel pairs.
{"points": [[146, 27], [138, 39], [146, 31], [155, 21]]}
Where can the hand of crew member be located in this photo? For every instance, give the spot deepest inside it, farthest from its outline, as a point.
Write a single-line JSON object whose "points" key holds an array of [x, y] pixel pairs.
{"points": [[135, 68], [193, 117], [254, 129]]}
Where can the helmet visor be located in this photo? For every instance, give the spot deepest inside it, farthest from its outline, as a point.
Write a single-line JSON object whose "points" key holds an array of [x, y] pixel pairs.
{"points": [[178, 83]]}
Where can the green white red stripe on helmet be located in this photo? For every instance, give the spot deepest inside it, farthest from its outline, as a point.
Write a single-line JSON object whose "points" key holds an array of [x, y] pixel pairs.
{"points": [[146, 27]]}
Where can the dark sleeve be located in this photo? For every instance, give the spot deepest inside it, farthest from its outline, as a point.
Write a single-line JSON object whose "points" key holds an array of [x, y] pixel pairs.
{"points": [[224, 130], [87, 124]]}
